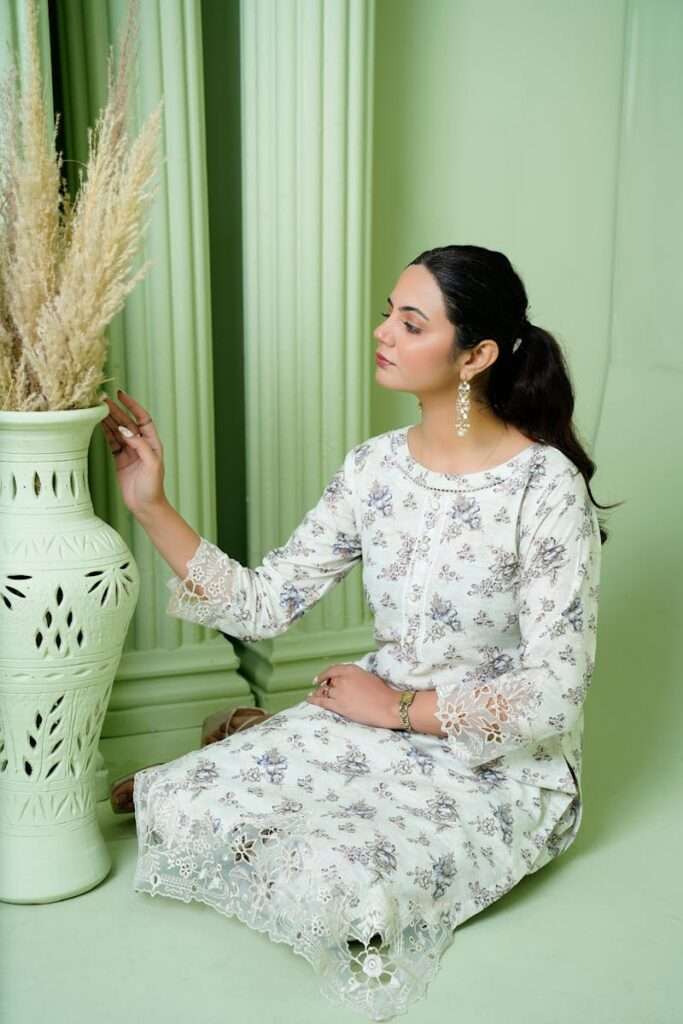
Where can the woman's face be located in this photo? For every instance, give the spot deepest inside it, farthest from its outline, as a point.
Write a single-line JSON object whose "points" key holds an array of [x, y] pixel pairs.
{"points": [[416, 341]]}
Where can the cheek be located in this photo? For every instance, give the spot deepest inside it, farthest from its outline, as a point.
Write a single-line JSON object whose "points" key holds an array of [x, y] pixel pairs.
{"points": [[420, 360]]}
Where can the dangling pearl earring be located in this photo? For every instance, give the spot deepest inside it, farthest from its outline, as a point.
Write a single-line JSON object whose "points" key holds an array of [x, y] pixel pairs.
{"points": [[462, 424]]}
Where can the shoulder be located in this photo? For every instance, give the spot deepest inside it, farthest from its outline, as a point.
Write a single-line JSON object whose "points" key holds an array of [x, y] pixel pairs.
{"points": [[373, 450], [367, 456], [557, 497], [551, 472]]}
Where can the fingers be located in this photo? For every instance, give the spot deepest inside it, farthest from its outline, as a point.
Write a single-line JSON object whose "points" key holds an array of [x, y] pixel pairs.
{"points": [[326, 675], [138, 443], [114, 439], [332, 672], [117, 417], [134, 406]]}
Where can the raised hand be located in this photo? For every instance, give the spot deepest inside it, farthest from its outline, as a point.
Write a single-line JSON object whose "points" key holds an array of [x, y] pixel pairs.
{"points": [[139, 458]]}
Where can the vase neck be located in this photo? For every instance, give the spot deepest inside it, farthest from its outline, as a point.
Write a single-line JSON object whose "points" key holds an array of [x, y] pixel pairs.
{"points": [[41, 485], [44, 462]]}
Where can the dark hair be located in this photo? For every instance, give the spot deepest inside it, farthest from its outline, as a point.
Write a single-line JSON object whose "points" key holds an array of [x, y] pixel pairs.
{"points": [[529, 388]]}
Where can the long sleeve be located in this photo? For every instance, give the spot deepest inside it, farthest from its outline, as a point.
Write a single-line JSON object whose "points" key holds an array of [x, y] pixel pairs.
{"points": [[252, 604], [500, 706]]}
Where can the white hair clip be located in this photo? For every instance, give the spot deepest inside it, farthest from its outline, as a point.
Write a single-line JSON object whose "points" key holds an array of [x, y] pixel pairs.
{"points": [[518, 342]]}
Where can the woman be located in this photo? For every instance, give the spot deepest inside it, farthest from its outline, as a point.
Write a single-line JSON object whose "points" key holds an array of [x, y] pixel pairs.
{"points": [[417, 785]]}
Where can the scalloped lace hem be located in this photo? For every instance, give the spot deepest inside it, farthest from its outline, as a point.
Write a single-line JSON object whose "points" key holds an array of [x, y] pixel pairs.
{"points": [[266, 875], [371, 982]]}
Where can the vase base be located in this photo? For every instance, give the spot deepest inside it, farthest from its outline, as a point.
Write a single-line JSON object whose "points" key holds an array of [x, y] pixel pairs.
{"points": [[44, 868]]}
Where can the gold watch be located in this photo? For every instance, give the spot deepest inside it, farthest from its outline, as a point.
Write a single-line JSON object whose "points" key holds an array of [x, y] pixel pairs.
{"points": [[407, 698]]}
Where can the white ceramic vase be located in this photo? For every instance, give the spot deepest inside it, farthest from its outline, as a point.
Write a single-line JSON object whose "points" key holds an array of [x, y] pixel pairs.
{"points": [[68, 588]]}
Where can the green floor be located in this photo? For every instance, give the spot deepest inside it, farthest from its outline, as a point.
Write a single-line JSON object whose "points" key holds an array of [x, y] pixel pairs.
{"points": [[595, 937]]}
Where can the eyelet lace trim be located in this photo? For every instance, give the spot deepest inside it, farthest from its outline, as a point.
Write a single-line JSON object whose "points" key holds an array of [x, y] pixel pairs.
{"points": [[267, 876], [222, 604], [214, 572], [485, 717]]}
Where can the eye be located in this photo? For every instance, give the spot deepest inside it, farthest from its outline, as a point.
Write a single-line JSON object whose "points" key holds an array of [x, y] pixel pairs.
{"points": [[411, 328]]}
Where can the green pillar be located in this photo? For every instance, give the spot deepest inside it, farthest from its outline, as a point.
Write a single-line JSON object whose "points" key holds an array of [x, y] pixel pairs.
{"points": [[13, 15], [172, 673], [306, 86]]}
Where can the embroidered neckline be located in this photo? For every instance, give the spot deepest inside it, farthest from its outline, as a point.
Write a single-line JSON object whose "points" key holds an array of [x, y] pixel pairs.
{"points": [[434, 480]]}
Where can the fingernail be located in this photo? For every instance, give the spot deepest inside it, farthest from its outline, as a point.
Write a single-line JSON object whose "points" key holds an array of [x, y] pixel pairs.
{"points": [[315, 679], [125, 431]]}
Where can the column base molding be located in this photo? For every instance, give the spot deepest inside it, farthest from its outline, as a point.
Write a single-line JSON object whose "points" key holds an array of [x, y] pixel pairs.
{"points": [[160, 699]]}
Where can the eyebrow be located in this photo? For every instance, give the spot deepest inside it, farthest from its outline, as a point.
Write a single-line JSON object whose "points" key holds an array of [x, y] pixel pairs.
{"points": [[409, 308]]}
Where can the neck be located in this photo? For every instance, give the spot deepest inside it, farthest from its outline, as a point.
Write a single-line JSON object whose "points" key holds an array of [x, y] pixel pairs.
{"points": [[436, 429]]}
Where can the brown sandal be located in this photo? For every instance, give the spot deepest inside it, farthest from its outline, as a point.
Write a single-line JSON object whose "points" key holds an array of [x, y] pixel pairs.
{"points": [[221, 724], [215, 727], [121, 801]]}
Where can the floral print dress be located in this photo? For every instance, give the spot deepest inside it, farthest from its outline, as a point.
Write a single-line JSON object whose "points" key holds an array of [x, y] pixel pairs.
{"points": [[364, 848]]}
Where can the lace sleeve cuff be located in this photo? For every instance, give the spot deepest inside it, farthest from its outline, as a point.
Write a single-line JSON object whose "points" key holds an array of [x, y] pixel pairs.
{"points": [[212, 570], [482, 719]]}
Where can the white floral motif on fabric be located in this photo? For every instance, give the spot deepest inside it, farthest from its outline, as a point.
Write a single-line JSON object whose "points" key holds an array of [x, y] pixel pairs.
{"points": [[364, 848]]}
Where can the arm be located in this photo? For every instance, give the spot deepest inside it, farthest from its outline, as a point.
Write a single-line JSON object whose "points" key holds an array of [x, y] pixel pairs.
{"points": [[215, 590], [172, 536], [496, 708]]}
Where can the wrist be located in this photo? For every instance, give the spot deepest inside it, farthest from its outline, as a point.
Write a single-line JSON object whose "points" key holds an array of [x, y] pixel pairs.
{"points": [[151, 512]]}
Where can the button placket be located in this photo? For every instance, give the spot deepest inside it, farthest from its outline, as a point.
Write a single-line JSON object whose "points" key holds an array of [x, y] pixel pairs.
{"points": [[407, 588], [419, 643]]}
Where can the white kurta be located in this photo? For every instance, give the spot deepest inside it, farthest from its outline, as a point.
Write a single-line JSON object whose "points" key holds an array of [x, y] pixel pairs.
{"points": [[317, 829]]}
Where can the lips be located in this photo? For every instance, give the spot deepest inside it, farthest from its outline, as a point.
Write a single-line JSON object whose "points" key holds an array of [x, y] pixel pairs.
{"points": [[382, 359]]}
